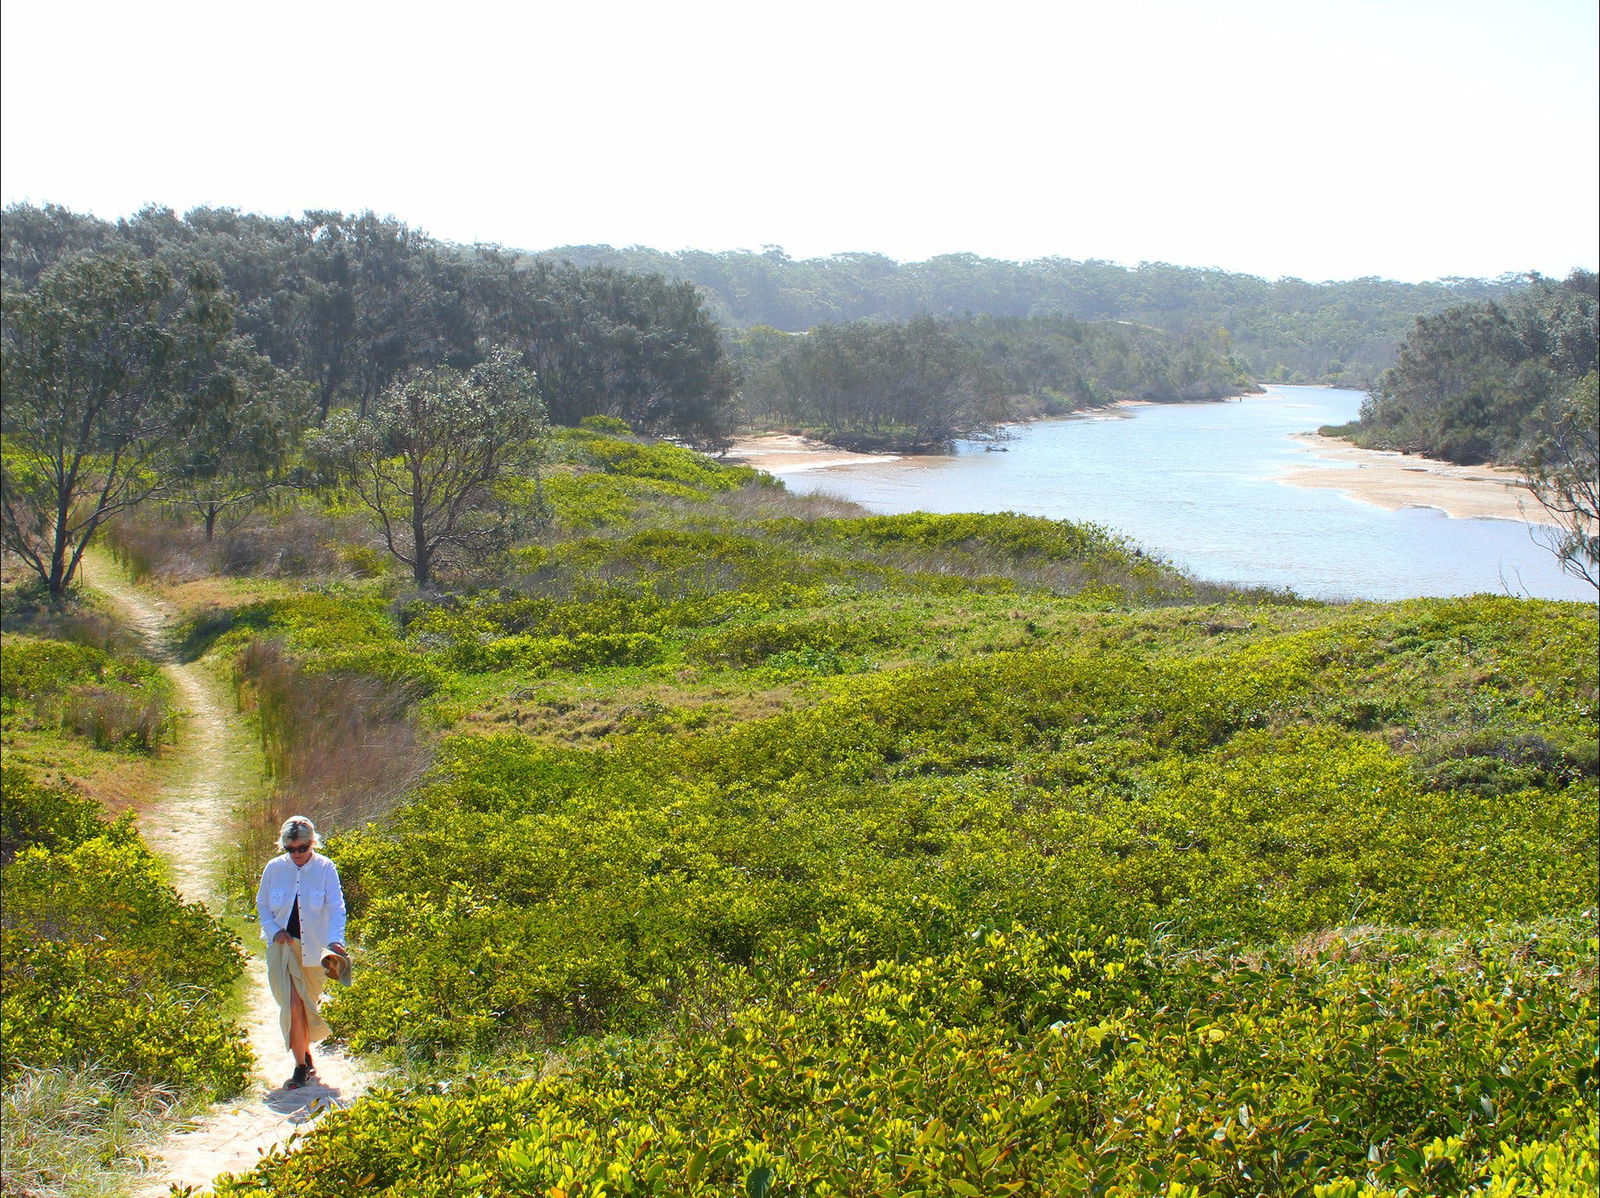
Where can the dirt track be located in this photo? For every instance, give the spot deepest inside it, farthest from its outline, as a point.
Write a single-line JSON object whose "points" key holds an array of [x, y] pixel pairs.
{"points": [[221, 767]]}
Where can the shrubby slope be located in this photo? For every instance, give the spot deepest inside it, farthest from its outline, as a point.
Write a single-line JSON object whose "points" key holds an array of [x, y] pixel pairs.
{"points": [[772, 847]]}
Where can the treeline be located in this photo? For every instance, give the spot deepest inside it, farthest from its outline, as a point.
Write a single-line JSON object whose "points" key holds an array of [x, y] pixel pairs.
{"points": [[348, 305], [1290, 330], [1482, 382], [914, 386], [215, 360], [1512, 382]]}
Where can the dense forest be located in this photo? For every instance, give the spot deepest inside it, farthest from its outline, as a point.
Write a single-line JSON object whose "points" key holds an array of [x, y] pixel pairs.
{"points": [[1288, 331], [916, 385], [1479, 382], [703, 839], [346, 305]]}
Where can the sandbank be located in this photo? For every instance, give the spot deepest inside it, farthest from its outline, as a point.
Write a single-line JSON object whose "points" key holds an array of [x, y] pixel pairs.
{"points": [[786, 453], [1397, 480]]}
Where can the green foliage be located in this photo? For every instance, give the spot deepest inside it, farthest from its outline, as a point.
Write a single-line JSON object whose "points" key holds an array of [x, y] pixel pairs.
{"points": [[113, 366], [912, 387], [1020, 1062], [1419, 764], [328, 633], [439, 462], [31, 667], [1470, 382], [988, 537], [583, 502], [50, 817], [1565, 468], [104, 965], [113, 701], [629, 346], [1288, 330]]}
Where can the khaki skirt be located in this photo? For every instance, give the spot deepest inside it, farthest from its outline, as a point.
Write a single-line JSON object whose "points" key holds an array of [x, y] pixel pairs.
{"points": [[285, 970]]}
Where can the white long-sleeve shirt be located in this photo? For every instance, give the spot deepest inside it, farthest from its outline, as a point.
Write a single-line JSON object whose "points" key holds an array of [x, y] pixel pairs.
{"points": [[316, 885]]}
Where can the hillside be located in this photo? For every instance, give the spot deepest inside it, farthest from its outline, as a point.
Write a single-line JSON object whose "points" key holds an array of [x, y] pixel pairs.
{"points": [[721, 841], [1285, 330]]}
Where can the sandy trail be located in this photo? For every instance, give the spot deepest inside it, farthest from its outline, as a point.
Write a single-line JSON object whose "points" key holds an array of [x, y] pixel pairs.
{"points": [[221, 768]]}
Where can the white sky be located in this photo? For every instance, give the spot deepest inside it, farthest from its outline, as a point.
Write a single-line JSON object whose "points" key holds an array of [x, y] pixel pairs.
{"points": [[1327, 139]]}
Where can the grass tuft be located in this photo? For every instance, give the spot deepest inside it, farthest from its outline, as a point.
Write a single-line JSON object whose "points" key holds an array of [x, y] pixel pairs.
{"points": [[79, 1133]]}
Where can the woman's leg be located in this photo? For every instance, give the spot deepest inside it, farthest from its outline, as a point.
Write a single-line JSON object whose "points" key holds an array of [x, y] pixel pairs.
{"points": [[299, 1040]]}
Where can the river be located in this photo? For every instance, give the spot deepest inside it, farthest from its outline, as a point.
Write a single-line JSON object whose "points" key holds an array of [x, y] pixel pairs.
{"points": [[1201, 485]]}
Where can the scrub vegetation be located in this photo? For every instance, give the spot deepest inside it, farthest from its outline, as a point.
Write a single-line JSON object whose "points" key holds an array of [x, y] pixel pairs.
{"points": [[746, 849], [700, 839]]}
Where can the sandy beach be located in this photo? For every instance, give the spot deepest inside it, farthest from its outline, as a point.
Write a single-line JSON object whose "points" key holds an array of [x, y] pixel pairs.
{"points": [[785, 453], [1396, 480]]}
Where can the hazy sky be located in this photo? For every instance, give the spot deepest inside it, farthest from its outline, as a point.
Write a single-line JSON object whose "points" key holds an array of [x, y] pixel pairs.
{"points": [[1327, 139]]}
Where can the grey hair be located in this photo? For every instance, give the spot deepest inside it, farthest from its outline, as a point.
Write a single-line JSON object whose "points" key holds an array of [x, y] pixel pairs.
{"points": [[296, 827]]}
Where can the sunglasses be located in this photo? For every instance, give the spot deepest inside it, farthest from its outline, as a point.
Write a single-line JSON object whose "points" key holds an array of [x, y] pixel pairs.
{"points": [[298, 848]]}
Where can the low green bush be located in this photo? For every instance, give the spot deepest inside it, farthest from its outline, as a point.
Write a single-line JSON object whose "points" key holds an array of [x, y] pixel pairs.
{"points": [[1026, 1063], [104, 966], [31, 666], [115, 701], [1041, 786], [50, 817]]}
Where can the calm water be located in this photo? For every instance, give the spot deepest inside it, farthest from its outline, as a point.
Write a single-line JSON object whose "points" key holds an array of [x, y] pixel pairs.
{"points": [[1196, 483]]}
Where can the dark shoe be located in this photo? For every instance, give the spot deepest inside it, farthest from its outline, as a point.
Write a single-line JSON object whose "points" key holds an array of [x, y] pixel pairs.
{"points": [[298, 1080]]}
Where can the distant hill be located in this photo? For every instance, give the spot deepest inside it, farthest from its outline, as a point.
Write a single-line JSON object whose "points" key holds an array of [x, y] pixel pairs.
{"points": [[1290, 330]]}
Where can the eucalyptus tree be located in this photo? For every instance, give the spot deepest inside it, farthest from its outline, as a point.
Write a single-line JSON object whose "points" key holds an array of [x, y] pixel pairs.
{"points": [[446, 462], [236, 456], [110, 365], [912, 386]]}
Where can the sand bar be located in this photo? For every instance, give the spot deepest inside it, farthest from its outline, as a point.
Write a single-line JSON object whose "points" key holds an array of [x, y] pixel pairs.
{"points": [[1397, 480], [785, 453]]}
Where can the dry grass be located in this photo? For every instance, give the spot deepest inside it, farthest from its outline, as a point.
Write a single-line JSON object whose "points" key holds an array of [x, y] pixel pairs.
{"points": [[78, 1133], [293, 543], [345, 746]]}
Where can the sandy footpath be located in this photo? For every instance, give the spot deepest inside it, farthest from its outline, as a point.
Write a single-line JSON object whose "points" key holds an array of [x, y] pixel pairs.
{"points": [[221, 764], [1397, 480]]}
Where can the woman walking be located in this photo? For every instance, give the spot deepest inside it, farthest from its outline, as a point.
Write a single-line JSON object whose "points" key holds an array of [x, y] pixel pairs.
{"points": [[301, 908]]}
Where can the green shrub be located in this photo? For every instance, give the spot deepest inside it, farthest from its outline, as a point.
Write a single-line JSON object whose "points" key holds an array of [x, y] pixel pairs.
{"points": [[104, 966], [114, 701], [31, 667], [588, 501], [51, 817], [1021, 1063]]}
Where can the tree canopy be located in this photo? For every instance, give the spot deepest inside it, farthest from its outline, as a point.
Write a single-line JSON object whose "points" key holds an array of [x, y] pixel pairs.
{"points": [[438, 463], [1470, 383], [350, 304], [1288, 330], [113, 367]]}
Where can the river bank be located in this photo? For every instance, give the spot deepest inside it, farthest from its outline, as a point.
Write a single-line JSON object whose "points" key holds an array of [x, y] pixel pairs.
{"points": [[1392, 481]]}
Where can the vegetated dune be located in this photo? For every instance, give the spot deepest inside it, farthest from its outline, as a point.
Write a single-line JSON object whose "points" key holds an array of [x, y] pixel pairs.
{"points": [[773, 852]]}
